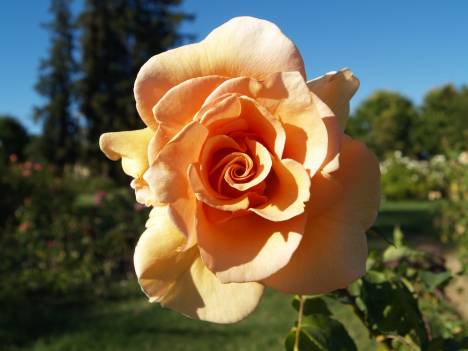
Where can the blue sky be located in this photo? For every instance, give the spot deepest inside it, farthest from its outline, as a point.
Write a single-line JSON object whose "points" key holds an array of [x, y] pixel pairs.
{"points": [[407, 46]]}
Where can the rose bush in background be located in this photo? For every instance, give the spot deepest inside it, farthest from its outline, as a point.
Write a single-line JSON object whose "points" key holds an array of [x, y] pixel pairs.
{"points": [[58, 238], [407, 178], [251, 178], [453, 207]]}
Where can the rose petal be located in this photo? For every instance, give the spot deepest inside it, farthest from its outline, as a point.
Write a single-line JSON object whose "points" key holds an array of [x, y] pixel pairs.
{"points": [[263, 164], [181, 103], [225, 114], [307, 117], [131, 147], [143, 193], [167, 177], [225, 108], [247, 248], [313, 134], [336, 89], [288, 192], [334, 248], [204, 193], [244, 46], [180, 280]]}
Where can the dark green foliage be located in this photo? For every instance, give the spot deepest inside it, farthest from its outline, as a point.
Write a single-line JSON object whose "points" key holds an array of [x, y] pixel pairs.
{"points": [[13, 138], [433, 280], [64, 236], [384, 122], [321, 333], [442, 124], [400, 302], [60, 139], [387, 121], [117, 38], [390, 308], [312, 305]]}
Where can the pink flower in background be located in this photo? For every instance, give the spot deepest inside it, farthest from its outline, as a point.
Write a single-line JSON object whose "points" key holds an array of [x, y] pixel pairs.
{"points": [[99, 196]]}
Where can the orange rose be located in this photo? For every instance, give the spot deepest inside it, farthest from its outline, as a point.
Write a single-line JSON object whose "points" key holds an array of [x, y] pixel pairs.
{"points": [[251, 179]]}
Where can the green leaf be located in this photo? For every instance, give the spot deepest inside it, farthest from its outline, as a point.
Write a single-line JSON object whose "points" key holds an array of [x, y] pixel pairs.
{"points": [[355, 288], [398, 236], [390, 308], [393, 253], [321, 333], [312, 305], [434, 280]]}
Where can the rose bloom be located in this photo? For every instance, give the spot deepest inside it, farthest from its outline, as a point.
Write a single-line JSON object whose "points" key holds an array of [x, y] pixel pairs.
{"points": [[251, 179]]}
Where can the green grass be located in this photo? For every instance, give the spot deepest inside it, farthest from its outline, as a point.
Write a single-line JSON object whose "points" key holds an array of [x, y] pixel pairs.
{"points": [[131, 323], [134, 324], [414, 218]]}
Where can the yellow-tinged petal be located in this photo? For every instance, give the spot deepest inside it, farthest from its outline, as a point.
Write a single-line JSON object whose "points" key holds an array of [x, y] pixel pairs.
{"points": [[243, 46], [287, 192], [167, 177], [333, 251], [336, 89], [179, 279], [131, 147], [248, 247]]}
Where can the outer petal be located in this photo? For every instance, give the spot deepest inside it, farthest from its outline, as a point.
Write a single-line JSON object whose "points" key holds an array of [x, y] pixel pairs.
{"points": [[311, 119], [244, 46], [336, 89], [181, 281], [334, 249], [131, 147], [247, 248]]}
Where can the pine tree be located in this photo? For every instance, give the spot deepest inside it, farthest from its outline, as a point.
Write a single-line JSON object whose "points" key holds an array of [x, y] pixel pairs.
{"points": [[56, 84], [118, 36]]}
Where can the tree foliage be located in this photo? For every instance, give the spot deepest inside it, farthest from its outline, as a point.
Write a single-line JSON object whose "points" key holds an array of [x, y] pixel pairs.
{"points": [[443, 121], [13, 137], [117, 38], [56, 85], [384, 122], [387, 121]]}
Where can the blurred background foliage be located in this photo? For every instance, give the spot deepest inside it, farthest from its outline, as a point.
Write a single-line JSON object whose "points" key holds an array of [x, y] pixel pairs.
{"points": [[69, 222]]}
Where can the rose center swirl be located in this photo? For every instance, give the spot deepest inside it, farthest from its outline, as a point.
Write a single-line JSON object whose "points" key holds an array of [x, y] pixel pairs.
{"points": [[234, 168]]}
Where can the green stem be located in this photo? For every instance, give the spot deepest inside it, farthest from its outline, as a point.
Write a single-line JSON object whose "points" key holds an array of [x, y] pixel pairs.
{"points": [[299, 322]]}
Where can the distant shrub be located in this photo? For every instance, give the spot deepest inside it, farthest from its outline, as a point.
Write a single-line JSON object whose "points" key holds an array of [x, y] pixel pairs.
{"points": [[63, 235], [406, 178], [453, 210]]}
